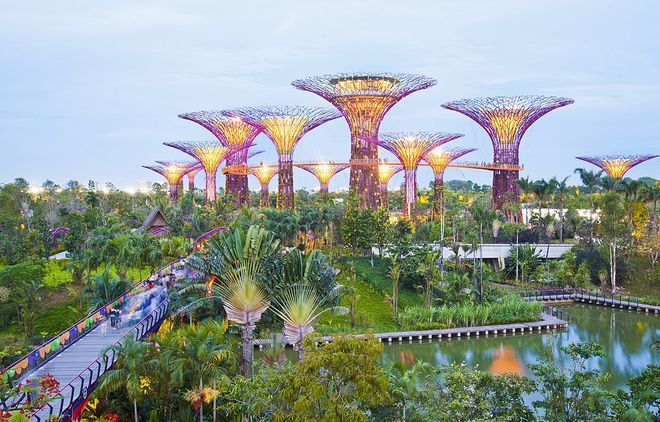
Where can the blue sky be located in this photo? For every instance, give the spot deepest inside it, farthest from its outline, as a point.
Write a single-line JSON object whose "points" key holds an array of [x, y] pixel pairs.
{"points": [[91, 89]]}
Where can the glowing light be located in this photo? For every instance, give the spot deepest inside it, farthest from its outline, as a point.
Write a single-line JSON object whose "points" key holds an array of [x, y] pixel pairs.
{"points": [[264, 173], [324, 172], [173, 172], [386, 171], [364, 99], [209, 155], [617, 165], [410, 148], [285, 126], [506, 119]]}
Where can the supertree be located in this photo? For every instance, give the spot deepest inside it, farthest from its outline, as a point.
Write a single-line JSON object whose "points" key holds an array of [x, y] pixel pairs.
{"points": [[173, 172], [439, 158], [506, 119], [616, 165], [385, 172], [264, 174], [191, 176], [285, 126], [323, 172], [231, 132], [210, 155], [364, 99], [410, 148]]}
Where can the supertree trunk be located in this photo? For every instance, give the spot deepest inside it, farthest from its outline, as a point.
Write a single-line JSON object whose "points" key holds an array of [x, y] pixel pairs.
{"points": [[506, 191], [384, 196], [264, 200], [210, 188], [285, 198], [191, 183], [438, 208], [324, 191], [174, 192], [364, 178], [410, 201]]}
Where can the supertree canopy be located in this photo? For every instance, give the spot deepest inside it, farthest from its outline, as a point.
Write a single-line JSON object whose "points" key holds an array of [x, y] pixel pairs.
{"points": [[173, 172], [210, 155], [364, 99], [285, 126], [323, 172], [616, 165], [264, 174], [439, 158], [385, 172], [410, 148], [506, 119], [231, 132]]}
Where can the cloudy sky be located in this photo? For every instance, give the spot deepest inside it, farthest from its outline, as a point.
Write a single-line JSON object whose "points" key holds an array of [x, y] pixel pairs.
{"points": [[91, 89]]}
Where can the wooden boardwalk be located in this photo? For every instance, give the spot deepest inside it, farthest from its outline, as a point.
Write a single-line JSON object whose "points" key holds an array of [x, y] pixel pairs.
{"points": [[595, 299], [547, 322]]}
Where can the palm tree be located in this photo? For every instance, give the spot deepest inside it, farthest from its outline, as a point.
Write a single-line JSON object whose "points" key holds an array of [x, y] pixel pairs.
{"points": [[104, 288], [560, 187], [395, 276], [244, 302], [541, 191], [199, 354], [404, 383], [527, 188], [134, 364], [299, 307], [651, 193], [428, 268]]}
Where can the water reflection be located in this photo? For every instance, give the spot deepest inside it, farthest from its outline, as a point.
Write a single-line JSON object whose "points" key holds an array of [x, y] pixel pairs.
{"points": [[628, 338]]}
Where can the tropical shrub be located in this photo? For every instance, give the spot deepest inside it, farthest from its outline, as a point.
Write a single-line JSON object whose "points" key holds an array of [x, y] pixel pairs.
{"points": [[509, 309]]}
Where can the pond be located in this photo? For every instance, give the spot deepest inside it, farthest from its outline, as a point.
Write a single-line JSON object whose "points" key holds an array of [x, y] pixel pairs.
{"points": [[628, 338]]}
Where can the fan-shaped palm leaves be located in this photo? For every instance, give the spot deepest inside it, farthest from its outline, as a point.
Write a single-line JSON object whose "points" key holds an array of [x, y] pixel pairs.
{"points": [[299, 307], [244, 302]]}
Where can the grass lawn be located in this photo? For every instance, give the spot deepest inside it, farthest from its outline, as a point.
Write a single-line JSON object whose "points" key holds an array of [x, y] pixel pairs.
{"points": [[373, 309]]}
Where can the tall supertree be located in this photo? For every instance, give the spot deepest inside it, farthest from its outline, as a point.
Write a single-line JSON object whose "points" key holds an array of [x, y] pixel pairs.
{"points": [[616, 165], [364, 99], [506, 119], [173, 171], [285, 126], [231, 132], [410, 148], [323, 172], [385, 172], [210, 155], [439, 158], [264, 174]]}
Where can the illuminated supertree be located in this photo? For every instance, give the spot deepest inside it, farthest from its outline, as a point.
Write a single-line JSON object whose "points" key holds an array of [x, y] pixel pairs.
{"points": [[616, 165], [285, 126], [410, 148], [210, 155], [364, 99], [439, 158], [506, 119], [264, 174], [173, 172], [323, 172], [231, 132], [385, 172], [191, 176]]}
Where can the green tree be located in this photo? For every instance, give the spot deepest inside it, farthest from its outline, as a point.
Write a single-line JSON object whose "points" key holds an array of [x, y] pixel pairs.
{"points": [[323, 387], [135, 363], [201, 356], [573, 393], [395, 276], [429, 270]]}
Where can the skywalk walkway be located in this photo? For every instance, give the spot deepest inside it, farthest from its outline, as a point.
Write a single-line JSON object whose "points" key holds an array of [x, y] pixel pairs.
{"points": [[75, 357]]}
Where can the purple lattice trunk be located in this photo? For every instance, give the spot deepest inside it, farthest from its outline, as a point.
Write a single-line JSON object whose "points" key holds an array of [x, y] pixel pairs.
{"points": [[264, 199], [506, 191], [364, 178], [174, 192], [384, 196], [410, 198], [210, 187], [438, 208], [285, 198]]}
